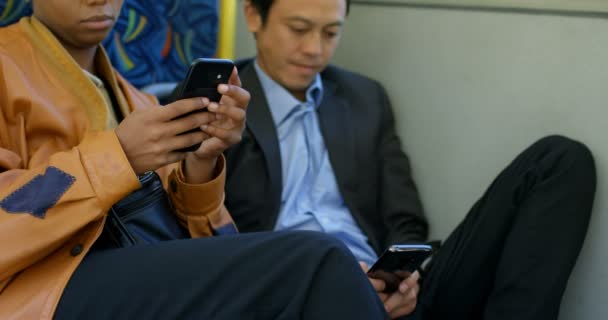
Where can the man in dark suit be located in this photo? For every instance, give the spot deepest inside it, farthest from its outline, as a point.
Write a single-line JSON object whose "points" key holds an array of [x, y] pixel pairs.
{"points": [[372, 173], [362, 151], [320, 152]]}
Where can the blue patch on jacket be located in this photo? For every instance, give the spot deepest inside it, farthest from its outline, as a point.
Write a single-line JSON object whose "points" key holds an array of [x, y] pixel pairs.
{"points": [[40, 194]]}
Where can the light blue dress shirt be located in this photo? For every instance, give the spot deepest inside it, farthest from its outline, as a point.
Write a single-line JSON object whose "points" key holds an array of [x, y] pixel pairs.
{"points": [[311, 199]]}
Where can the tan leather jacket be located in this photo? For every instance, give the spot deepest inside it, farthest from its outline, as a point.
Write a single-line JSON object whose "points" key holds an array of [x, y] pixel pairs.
{"points": [[60, 171]]}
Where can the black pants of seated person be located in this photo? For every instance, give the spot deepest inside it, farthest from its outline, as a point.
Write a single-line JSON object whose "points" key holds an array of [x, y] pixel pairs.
{"points": [[511, 256], [282, 275]]}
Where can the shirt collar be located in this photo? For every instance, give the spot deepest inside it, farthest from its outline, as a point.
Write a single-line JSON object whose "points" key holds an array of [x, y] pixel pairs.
{"points": [[96, 80], [281, 101]]}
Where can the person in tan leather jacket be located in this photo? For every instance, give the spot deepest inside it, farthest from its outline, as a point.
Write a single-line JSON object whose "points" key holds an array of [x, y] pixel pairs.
{"points": [[66, 157]]}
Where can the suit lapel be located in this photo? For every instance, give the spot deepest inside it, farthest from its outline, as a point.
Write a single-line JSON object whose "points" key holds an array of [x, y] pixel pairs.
{"points": [[261, 126], [339, 136]]}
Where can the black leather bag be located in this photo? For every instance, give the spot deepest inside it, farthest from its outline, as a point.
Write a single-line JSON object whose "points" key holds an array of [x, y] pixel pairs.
{"points": [[144, 216]]}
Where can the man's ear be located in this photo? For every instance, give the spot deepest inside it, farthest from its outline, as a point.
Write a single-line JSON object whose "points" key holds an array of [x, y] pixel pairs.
{"points": [[252, 17]]}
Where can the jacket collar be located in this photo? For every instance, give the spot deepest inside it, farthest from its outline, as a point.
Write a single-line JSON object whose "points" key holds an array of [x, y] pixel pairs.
{"points": [[337, 128], [76, 80], [261, 126]]}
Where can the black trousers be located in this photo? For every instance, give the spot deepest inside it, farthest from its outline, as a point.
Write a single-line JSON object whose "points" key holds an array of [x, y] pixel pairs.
{"points": [[279, 275], [511, 257]]}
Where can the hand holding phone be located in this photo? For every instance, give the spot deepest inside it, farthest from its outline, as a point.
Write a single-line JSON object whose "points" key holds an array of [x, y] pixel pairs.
{"points": [[202, 80], [397, 263]]}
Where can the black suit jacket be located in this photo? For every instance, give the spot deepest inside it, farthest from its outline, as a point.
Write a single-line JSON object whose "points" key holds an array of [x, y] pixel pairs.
{"points": [[372, 172]]}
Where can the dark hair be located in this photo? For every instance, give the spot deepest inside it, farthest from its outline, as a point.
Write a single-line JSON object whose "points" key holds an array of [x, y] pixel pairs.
{"points": [[263, 7]]}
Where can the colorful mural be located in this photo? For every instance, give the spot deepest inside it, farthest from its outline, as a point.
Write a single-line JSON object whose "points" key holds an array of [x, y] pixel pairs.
{"points": [[153, 40], [12, 10]]}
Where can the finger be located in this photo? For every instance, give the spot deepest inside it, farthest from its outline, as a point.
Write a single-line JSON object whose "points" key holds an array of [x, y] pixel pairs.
{"points": [[240, 96], [190, 121], [398, 300], [409, 282], [404, 305], [363, 266], [403, 274], [182, 107], [408, 306], [234, 78], [235, 113], [394, 300], [415, 290], [383, 296], [219, 117], [228, 136], [185, 140], [211, 147], [379, 285]]}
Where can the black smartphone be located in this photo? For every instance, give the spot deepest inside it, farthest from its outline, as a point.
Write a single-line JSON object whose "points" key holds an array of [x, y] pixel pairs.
{"points": [[202, 79], [397, 262]]}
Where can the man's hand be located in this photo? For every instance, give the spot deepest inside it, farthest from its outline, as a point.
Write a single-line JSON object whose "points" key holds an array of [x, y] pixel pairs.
{"points": [[401, 302], [224, 131], [149, 136]]}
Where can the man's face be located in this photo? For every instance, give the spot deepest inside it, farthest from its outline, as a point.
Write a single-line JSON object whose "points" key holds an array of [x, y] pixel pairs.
{"points": [[298, 39], [78, 23]]}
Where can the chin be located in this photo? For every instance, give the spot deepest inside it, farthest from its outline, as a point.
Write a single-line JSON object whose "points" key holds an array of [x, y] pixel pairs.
{"points": [[299, 86], [90, 42], [303, 81]]}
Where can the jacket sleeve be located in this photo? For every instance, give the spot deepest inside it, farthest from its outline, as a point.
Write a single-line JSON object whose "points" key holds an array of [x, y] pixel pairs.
{"points": [[399, 203], [47, 196], [201, 207]]}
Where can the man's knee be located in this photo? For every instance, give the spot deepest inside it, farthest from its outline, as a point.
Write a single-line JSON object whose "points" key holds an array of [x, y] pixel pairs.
{"points": [[318, 243], [566, 145], [316, 239], [570, 151]]}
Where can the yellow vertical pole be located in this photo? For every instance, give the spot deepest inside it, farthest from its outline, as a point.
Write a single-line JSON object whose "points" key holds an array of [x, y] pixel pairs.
{"points": [[227, 28]]}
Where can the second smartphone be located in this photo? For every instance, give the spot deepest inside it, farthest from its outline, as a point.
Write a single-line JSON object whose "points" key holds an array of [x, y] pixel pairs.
{"points": [[397, 262]]}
